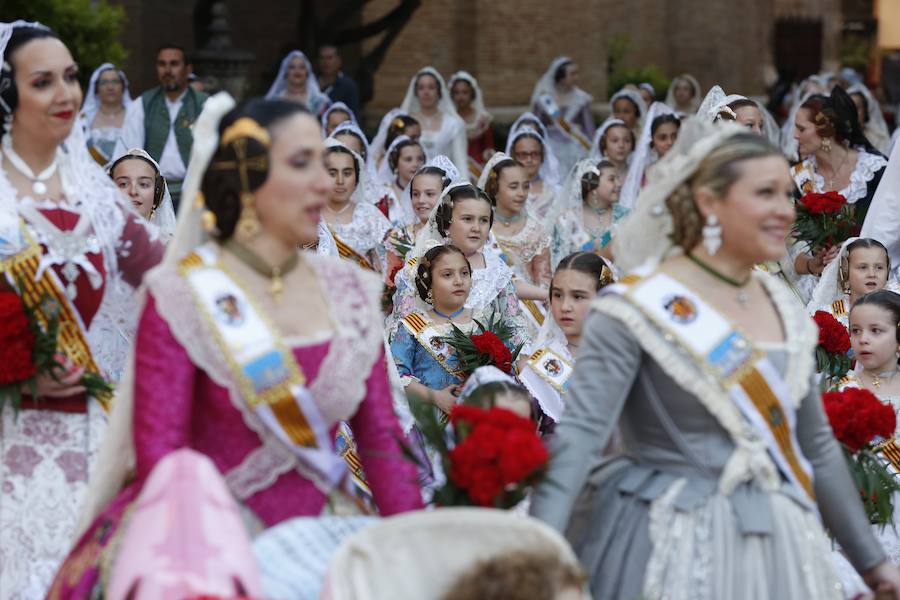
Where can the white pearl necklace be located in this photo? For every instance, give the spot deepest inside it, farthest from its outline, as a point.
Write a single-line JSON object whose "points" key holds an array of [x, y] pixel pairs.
{"points": [[37, 181]]}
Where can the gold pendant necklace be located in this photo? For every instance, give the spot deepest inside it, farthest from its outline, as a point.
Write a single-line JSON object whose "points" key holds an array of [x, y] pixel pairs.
{"points": [[252, 260]]}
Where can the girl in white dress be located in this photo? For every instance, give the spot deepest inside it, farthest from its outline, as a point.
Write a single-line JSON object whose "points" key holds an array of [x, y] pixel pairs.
{"points": [[443, 131]]}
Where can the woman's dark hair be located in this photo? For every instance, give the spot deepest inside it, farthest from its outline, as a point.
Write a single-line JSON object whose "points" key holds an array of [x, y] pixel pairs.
{"points": [[865, 106], [590, 181], [348, 152], [886, 299], [394, 157], [471, 87], [398, 126], [425, 268], [492, 185], [221, 186], [590, 264], [610, 128], [9, 95], [444, 214], [662, 120], [560, 73], [437, 83], [835, 116], [159, 182], [485, 396], [431, 170]]}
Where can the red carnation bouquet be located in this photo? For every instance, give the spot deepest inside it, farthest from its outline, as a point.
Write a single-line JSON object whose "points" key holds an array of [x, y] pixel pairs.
{"points": [[496, 455], [28, 349], [862, 424], [824, 220], [832, 353], [489, 346]]}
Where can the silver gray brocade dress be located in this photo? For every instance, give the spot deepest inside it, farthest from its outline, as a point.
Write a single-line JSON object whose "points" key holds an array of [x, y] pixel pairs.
{"points": [[748, 544]]}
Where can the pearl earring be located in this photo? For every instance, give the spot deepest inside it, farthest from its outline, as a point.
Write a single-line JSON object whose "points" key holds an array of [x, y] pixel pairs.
{"points": [[712, 235]]}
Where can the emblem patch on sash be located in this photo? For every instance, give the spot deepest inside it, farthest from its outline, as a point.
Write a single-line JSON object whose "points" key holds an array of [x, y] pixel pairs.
{"points": [[228, 310], [680, 308]]}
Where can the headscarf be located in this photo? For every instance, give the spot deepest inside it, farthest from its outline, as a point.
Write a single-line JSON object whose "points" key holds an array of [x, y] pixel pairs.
{"points": [[279, 86], [163, 215], [695, 100], [482, 117], [91, 103], [642, 157], [596, 151], [353, 127], [549, 172], [635, 97], [445, 102], [341, 107], [716, 102], [385, 175]]}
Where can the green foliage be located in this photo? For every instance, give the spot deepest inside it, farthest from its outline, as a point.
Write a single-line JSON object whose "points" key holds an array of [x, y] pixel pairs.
{"points": [[90, 28], [876, 485], [619, 75]]}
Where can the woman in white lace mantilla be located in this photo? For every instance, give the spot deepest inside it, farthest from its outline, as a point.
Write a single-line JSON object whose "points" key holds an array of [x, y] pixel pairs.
{"points": [[56, 204], [615, 142], [684, 95], [728, 463], [357, 227], [443, 131], [530, 148], [521, 240], [103, 111], [296, 81]]}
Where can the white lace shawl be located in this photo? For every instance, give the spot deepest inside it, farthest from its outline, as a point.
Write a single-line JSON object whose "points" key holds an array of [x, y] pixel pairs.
{"points": [[354, 297], [367, 229]]}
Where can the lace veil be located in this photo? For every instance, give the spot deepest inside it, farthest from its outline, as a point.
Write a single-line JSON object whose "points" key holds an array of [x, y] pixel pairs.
{"points": [[341, 106], [717, 101], [486, 172], [385, 175], [695, 101], [377, 145], [642, 157], [876, 128], [91, 103], [644, 237], [279, 86], [549, 171], [359, 193], [164, 215], [596, 151], [635, 97], [481, 112], [445, 102]]}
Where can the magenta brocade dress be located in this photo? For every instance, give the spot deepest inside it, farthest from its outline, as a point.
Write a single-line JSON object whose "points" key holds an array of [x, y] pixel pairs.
{"points": [[178, 405]]}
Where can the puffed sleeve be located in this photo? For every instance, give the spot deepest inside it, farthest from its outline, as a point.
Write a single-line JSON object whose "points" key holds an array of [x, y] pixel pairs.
{"points": [[392, 477], [164, 381], [605, 369], [838, 498], [139, 250]]}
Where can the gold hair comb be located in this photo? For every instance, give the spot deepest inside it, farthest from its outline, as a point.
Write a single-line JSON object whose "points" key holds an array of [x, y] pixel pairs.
{"points": [[245, 127]]}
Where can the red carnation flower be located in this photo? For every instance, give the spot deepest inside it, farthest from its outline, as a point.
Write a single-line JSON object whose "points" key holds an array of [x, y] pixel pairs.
{"points": [[827, 203], [488, 343], [857, 417], [833, 336], [16, 341]]}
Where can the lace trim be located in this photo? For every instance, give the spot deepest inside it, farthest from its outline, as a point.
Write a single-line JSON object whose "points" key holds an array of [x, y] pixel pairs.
{"points": [[367, 229], [339, 386], [867, 165], [527, 243]]}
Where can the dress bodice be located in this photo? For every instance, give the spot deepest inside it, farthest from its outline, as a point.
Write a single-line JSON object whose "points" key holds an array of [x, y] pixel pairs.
{"points": [[366, 231], [104, 140]]}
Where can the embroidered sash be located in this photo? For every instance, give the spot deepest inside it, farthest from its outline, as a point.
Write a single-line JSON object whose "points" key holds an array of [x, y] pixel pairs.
{"points": [[553, 111], [839, 308], [546, 375], [430, 339], [474, 168], [267, 374], [727, 356], [22, 267], [533, 311], [347, 252]]}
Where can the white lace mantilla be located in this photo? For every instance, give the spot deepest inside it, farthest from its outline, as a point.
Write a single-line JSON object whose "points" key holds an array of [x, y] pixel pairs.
{"points": [[339, 387], [366, 231], [867, 165]]}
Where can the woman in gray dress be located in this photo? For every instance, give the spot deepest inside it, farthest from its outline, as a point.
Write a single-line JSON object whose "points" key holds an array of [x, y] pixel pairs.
{"points": [[706, 367]]}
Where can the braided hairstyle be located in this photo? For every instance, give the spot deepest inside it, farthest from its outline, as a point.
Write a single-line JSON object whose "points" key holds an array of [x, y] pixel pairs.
{"points": [[425, 268], [444, 214], [9, 95], [835, 116], [590, 181], [718, 172], [221, 185], [492, 185], [590, 264]]}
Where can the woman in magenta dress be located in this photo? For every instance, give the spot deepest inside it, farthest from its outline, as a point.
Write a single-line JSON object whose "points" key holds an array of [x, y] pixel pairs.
{"points": [[249, 351], [65, 234]]}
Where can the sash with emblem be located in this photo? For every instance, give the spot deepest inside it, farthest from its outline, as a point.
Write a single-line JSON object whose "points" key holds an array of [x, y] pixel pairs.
{"points": [[430, 337], [728, 357], [546, 375], [267, 374], [23, 267], [533, 311], [346, 251]]}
